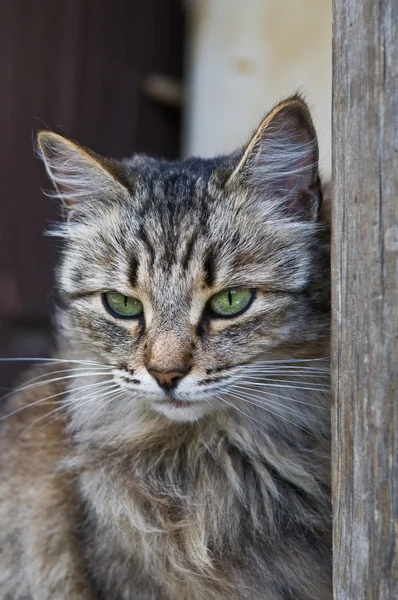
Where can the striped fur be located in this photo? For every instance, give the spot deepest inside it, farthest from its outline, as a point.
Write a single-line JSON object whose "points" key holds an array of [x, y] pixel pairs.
{"points": [[111, 488]]}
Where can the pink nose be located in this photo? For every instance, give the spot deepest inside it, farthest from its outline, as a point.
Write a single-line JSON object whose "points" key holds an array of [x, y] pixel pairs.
{"points": [[169, 379]]}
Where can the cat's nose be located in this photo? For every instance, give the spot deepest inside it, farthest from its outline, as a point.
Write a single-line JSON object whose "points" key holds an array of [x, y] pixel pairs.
{"points": [[168, 379]]}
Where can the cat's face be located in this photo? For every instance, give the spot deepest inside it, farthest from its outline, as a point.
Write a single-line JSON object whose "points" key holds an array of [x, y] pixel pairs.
{"points": [[179, 274]]}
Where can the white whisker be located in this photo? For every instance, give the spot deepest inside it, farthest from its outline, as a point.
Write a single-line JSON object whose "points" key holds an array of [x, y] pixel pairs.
{"points": [[284, 385], [240, 411], [267, 409], [267, 401], [280, 383], [291, 360], [284, 367], [29, 385], [59, 360], [66, 391], [110, 397], [64, 405], [288, 368], [288, 398]]}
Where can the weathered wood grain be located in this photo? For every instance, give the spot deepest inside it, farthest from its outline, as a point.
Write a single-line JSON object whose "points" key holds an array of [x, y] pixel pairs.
{"points": [[365, 299]]}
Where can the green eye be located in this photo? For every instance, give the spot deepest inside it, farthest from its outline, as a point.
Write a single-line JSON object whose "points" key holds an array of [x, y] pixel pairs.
{"points": [[123, 306], [231, 302]]}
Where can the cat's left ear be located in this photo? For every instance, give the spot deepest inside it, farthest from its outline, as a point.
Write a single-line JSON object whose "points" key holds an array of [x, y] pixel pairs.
{"points": [[81, 178], [281, 161]]}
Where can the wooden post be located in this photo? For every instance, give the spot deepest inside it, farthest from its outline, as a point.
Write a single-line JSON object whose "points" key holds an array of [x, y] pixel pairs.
{"points": [[365, 299]]}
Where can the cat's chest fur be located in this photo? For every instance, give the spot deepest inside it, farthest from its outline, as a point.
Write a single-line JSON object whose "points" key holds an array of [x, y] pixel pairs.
{"points": [[201, 517]]}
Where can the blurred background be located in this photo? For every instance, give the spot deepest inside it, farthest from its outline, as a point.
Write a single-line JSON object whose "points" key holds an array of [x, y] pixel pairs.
{"points": [[169, 78]]}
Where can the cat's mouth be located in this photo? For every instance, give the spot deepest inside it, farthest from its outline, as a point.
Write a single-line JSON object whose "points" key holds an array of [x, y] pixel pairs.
{"points": [[180, 410], [176, 403]]}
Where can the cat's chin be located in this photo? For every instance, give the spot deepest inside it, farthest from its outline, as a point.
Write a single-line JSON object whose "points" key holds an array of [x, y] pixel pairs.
{"points": [[183, 411]]}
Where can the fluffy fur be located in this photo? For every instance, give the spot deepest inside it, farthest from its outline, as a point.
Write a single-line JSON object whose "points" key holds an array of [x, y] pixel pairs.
{"points": [[113, 488]]}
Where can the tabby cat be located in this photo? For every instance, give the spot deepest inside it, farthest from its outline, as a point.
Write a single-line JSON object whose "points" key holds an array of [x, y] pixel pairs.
{"points": [[177, 446]]}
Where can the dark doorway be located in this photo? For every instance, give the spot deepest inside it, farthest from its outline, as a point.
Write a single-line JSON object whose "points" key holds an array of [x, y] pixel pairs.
{"points": [[77, 67]]}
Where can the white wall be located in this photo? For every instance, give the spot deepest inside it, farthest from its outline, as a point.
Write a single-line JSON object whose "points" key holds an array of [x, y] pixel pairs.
{"points": [[243, 57]]}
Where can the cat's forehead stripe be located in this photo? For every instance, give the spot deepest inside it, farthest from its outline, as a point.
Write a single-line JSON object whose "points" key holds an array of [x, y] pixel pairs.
{"points": [[133, 270], [189, 250], [143, 236], [209, 267]]}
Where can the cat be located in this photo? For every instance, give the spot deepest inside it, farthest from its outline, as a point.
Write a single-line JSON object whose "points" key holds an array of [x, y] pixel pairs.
{"points": [[177, 447]]}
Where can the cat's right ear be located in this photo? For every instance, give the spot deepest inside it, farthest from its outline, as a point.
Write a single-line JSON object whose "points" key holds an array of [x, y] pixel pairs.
{"points": [[81, 178]]}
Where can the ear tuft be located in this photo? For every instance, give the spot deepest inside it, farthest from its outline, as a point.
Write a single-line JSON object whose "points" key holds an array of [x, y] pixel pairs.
{"points": [[281, 160], [77, 173]]}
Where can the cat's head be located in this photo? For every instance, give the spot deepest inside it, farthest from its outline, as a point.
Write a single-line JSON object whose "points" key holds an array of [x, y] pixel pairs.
{"points": [[178, 274]]}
